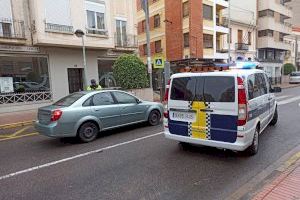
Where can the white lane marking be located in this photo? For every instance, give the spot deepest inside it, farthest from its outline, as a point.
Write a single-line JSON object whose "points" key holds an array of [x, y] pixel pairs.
{"points": [[76, 156], [281, 97], [288, 100]]}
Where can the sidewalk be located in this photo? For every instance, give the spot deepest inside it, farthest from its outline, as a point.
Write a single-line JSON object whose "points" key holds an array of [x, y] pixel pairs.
{"points": [[285, 186], [287, 85], [18, 118]]}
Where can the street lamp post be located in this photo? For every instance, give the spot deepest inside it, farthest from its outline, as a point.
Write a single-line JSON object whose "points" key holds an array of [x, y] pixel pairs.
{"points": [[79, 33]]}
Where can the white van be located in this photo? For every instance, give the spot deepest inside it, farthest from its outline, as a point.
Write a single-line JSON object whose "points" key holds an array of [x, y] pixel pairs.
{"points": [[224, 109]]}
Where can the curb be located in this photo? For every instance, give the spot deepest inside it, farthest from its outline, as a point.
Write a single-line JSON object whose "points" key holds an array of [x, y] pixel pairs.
{"points": [[18, 124]]}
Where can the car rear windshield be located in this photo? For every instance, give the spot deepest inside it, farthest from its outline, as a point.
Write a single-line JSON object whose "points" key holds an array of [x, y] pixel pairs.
{"points": [[68, 100], [207, 89], [295, 74]]}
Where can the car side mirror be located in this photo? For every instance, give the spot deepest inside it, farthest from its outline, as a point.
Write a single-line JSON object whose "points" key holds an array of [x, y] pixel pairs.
{"points": [[276, 90], [138, 101]]}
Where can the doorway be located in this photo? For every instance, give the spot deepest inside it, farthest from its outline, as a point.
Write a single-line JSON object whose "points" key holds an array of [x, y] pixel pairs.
{"points": [[75, 80]]}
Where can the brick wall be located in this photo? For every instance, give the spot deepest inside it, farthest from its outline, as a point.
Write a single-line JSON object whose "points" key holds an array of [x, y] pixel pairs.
{"points": [[174, 34], [196, 29]]}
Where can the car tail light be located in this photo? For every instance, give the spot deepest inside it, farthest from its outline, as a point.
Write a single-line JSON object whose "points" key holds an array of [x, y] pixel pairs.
{"points": [[242, 103], [167, 91], [56, 114]]}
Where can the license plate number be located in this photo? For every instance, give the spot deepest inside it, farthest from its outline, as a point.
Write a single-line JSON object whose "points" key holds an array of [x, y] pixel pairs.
{"points": [[183, 116]]}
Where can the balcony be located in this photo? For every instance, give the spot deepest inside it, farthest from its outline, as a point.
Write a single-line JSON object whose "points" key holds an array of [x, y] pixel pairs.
{"points": [[241, 47], [57, 28], [12, 29], [126, 41], [95, 32]]}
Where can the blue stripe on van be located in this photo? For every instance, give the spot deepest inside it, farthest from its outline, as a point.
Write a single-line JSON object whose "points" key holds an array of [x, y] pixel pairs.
{"points": [[178, 128], [258, 111], [223, 128]]}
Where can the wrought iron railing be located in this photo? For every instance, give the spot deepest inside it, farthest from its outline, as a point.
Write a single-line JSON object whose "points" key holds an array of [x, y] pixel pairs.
{"points": [[14, 29], [126, 41], [28, 97], [242, 46], [97, 31], [49, 27]]}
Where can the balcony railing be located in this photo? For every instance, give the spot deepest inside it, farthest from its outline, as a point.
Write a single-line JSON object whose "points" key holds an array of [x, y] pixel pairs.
{"points": [[126, 41], [95, 31], [222, 22], [57, 28], [241, 46], [12, 29]]}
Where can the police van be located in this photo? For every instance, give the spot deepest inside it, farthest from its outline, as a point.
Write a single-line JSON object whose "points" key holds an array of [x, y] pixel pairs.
{"points": [[223, 109]]}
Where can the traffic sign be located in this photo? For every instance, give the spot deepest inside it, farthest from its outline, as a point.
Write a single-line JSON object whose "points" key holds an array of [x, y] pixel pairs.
{"points": [[159, 62]]}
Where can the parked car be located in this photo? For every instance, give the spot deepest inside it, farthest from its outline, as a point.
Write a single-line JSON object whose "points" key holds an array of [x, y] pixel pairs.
{"points": [[85, 114], [295, 77], [226, 109]]}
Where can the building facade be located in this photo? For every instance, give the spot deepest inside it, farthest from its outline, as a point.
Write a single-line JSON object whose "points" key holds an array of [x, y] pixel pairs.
{"points": [[272, 29], [243, 26], [41, 59]]}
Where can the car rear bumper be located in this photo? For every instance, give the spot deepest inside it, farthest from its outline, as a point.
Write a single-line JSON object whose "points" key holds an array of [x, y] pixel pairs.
{"points": [[239, 145], [51, 130]]}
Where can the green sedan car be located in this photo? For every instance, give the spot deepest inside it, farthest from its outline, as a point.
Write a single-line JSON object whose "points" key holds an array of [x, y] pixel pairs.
{"points": [[85, 114]]}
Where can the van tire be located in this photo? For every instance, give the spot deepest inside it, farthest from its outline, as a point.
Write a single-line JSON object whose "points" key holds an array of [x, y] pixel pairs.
{"points": [[253, 148], [275, 118], [87, 132], [183, 145]]}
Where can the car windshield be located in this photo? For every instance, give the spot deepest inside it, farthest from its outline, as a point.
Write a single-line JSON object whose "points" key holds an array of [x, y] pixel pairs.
{"points": [[68, 100]]}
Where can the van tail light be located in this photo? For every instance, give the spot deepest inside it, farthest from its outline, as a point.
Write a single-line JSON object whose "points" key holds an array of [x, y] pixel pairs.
{"points": [[167, 91], [166, 114], [55, 115], [242, 103]]}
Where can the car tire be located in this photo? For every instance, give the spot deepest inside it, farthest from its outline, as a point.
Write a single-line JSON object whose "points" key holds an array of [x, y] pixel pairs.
{"points": [[154, 118], [88, 132], [253, 148], [275, 118]]}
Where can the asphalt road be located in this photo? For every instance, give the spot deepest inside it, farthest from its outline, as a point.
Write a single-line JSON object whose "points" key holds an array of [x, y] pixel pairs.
{"points": [[139, 163]]}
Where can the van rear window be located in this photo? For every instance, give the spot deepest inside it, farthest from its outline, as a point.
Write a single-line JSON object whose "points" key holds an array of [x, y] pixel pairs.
{"points": [[207, 89]]}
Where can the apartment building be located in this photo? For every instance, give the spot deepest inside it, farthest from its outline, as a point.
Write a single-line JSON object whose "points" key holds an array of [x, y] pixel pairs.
{"points": [[272, 29], [183, 30], [41, 59], [294, 54], [243, 26]]}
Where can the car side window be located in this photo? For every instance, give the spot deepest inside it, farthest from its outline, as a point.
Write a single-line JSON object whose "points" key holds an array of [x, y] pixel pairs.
{"points": [[103, 98], [124, 98], [87, 102]]}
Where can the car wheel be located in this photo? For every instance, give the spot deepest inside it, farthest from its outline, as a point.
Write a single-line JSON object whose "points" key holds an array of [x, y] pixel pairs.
{"points": [[275, 118], [154, 117], [253, 149], [88, 132]]}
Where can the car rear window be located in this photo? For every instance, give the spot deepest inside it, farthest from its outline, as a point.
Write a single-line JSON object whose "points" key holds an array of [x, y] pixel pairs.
{"points": [[295, 74], [68, 100], [208, 89]]}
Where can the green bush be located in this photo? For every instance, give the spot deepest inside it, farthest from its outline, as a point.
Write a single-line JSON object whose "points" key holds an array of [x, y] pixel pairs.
{"points": [[288, 68], [130, 72]]}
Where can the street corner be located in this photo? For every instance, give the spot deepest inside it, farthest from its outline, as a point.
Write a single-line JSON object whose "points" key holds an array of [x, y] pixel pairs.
{"points": [[14, 132], [285, 185]]}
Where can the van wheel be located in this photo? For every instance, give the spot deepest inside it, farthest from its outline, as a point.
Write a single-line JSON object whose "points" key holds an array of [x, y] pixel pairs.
{"points": [[184, 145], [253, 149], [154, 118], [88, 132], [275, 118]]}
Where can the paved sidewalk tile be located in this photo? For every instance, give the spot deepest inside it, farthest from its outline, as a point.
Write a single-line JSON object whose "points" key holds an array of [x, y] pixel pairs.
{"points": [[285, 187]]}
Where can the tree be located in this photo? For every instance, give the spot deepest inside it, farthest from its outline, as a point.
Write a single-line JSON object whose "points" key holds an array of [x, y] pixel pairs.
{"points": [[130, 72], [288, 68]]}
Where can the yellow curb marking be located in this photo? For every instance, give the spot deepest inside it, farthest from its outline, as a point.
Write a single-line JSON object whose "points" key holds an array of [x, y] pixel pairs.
{"points": [[20, 136], [292, 160], [14, 125], [15, 134]]}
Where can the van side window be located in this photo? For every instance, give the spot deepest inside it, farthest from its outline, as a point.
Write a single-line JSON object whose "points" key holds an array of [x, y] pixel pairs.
{"points": [[261, 83], [251, 87]]}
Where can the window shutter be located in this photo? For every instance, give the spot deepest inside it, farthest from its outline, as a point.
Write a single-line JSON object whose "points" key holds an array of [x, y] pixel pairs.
{"points": [[6, 13], [58, 12], [96, 7]]}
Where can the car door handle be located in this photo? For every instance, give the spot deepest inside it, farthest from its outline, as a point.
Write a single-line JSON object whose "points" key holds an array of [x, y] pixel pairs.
{"points": [[270, 98], [206, 110]]}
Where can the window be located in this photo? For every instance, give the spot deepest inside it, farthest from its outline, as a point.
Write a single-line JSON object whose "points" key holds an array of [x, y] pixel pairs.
{"points": [[249, 38], [282, 18], [281, 37], [68, 100], [264, 33], [156, 21], [95, 17], [124, 98], [145, 49], [121, 32], [186, 40], [102, 99], [219, 89], [265, 13], [5, 29], [143, 26], [207, 12], [230, 35], [185, 9], [157, 45], [208, 41], [58, 12], [183, 89]]}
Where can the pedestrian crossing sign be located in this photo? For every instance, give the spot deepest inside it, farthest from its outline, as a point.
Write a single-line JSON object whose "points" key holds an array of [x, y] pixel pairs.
{"points": [[159, 62]]}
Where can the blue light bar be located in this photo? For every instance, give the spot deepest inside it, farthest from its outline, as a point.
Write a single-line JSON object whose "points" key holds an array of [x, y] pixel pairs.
{"points": [[245, 65]]}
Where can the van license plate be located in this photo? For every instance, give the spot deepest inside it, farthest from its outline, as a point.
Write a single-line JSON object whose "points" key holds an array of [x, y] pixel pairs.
{"points": [[183, 116]]}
